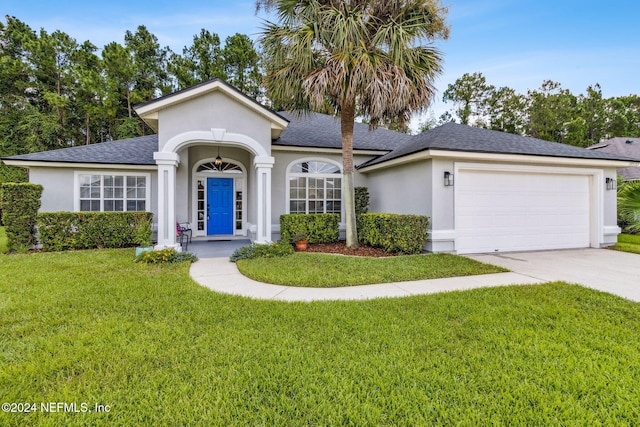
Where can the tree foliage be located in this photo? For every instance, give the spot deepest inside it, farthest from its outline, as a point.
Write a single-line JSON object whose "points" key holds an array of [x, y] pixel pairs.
{"points": [[56, 92], [550, 112]]}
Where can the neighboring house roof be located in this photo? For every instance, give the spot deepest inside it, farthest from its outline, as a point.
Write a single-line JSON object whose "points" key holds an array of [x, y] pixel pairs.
{"points": [[456, 137], [133, 151], [628, 147], [317, 130]]}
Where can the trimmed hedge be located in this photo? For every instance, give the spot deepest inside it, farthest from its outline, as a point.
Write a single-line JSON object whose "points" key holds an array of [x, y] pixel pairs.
{"points": [[61, 231], [20, 203], [361, 200], [319, 228], [405, 234]]}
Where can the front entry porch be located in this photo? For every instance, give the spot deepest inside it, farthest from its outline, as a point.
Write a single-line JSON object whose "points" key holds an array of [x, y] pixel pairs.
{"points": [[217, 247], [203, 180]]}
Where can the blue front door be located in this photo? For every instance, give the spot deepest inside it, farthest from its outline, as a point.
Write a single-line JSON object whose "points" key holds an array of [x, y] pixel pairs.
{"points": [[219, 206]]}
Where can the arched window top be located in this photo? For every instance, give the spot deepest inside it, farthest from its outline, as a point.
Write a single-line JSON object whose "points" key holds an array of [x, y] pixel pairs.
{"points": [[225, 167], [315, 167]]}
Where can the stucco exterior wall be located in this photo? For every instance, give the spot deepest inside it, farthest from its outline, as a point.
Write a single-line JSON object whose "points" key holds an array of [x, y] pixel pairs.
{"points": [[59, 187], [213, 110], [405, 189], [57, 193]]}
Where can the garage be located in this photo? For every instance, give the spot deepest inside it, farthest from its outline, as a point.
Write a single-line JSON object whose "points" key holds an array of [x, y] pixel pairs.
{"points": [[513, 210]]}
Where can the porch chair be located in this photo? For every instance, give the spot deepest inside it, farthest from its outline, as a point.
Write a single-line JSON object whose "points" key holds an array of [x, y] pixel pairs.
{"points": [[184, 233]]}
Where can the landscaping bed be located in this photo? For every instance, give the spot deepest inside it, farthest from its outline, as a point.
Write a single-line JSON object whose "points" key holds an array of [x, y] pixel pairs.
{"points": [[340, 248]]}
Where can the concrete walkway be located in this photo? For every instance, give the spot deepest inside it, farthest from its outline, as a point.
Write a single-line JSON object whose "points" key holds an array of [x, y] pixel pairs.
{"points": [[602, 269], [221, 275]]}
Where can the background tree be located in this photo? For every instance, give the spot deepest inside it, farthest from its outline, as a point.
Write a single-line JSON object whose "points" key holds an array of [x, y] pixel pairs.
{"points": [[241, 62], [357, 55], [471, 94], [199, 62]]}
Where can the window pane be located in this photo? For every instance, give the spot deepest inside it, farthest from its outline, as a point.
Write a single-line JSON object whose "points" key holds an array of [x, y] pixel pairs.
{"points": [[131, 181], [85, 205], [95, 206], [141, 205], [95, 193], [132, 206], [108, 181], [118, 193], [118, 181]]}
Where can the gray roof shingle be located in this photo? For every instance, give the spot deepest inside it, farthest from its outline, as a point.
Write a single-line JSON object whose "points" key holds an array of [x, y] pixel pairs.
{"points": [[628, 147], [456, 137], [323, 131], [133, 151]]}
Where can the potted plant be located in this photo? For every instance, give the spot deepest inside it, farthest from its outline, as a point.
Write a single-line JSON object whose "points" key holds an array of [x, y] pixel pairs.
{"points": [[301, 242], [142, 236]]}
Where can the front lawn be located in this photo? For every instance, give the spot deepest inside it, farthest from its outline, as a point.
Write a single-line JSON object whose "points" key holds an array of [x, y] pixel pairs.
{"points": [[627, 243], [156, 348], [326, 271]]}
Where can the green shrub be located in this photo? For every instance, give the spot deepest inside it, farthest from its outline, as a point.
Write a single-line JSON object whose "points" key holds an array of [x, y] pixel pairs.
{"points": [[361, 200], [319, 228], [394, 233], [20, 203], [86, 230], [262, 251], [165, 256]]}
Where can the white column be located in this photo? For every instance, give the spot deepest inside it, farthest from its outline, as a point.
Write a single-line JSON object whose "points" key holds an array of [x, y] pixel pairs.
{"points": [[167, 164], [263, 165]]}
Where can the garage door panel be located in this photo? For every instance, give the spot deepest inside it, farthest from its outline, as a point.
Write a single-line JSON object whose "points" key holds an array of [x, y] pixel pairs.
{"points": [[505, 211]]}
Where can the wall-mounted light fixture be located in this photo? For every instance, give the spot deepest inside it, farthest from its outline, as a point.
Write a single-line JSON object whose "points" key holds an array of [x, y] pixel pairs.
{"points": [[611, 183], [448, 179]]}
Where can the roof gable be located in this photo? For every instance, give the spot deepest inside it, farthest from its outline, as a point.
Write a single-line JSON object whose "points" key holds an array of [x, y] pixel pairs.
{"points": [[148, 111]]}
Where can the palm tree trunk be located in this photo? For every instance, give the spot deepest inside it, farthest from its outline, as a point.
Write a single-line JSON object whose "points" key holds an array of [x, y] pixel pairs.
{"points": [[347, 118]]}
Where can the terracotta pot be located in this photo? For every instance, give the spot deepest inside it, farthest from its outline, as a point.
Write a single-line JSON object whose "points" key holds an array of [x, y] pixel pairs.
{"points": [[301, 246]]}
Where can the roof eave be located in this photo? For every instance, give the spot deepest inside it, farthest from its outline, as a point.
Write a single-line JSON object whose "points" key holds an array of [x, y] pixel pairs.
{"points": [[497, 157], [63, 164]]}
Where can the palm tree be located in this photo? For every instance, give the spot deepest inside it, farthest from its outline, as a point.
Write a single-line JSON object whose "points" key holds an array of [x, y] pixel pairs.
{"points": [[629, 205], [370, 56]]}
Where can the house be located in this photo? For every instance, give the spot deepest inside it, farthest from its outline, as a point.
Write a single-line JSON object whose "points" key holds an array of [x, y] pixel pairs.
{"points": [[627, 147], [231, 167]]}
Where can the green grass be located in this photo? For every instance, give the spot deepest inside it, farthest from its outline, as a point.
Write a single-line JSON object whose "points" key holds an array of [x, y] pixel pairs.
{"points": [[326, 271], [93, 327], [627, 243], [3, 241]]}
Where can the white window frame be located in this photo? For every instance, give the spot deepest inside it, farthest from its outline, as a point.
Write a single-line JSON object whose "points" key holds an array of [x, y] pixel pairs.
{"points": [[291, 174], [102, 174]]}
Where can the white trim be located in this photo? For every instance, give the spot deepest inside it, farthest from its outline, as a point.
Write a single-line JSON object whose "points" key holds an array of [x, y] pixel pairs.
{"points": [[324, 175], [498, 157], [596, 189], [442, 235], [76, 187], [199, 137], [195, 176], [41, 164], [327, 150]]}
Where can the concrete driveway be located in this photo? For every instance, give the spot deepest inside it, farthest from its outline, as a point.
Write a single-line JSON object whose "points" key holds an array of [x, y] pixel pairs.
{"points": [[602, 269]]}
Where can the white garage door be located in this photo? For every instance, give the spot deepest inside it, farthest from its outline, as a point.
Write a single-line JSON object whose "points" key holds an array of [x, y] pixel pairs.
{"points": [[514, 211]]}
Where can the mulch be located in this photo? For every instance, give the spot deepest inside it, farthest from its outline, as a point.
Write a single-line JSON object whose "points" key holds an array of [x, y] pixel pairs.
{"points": [[341, 248]]}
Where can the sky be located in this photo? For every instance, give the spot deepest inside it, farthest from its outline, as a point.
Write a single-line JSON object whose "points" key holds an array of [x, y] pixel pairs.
{"points": [[513, 43]]}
